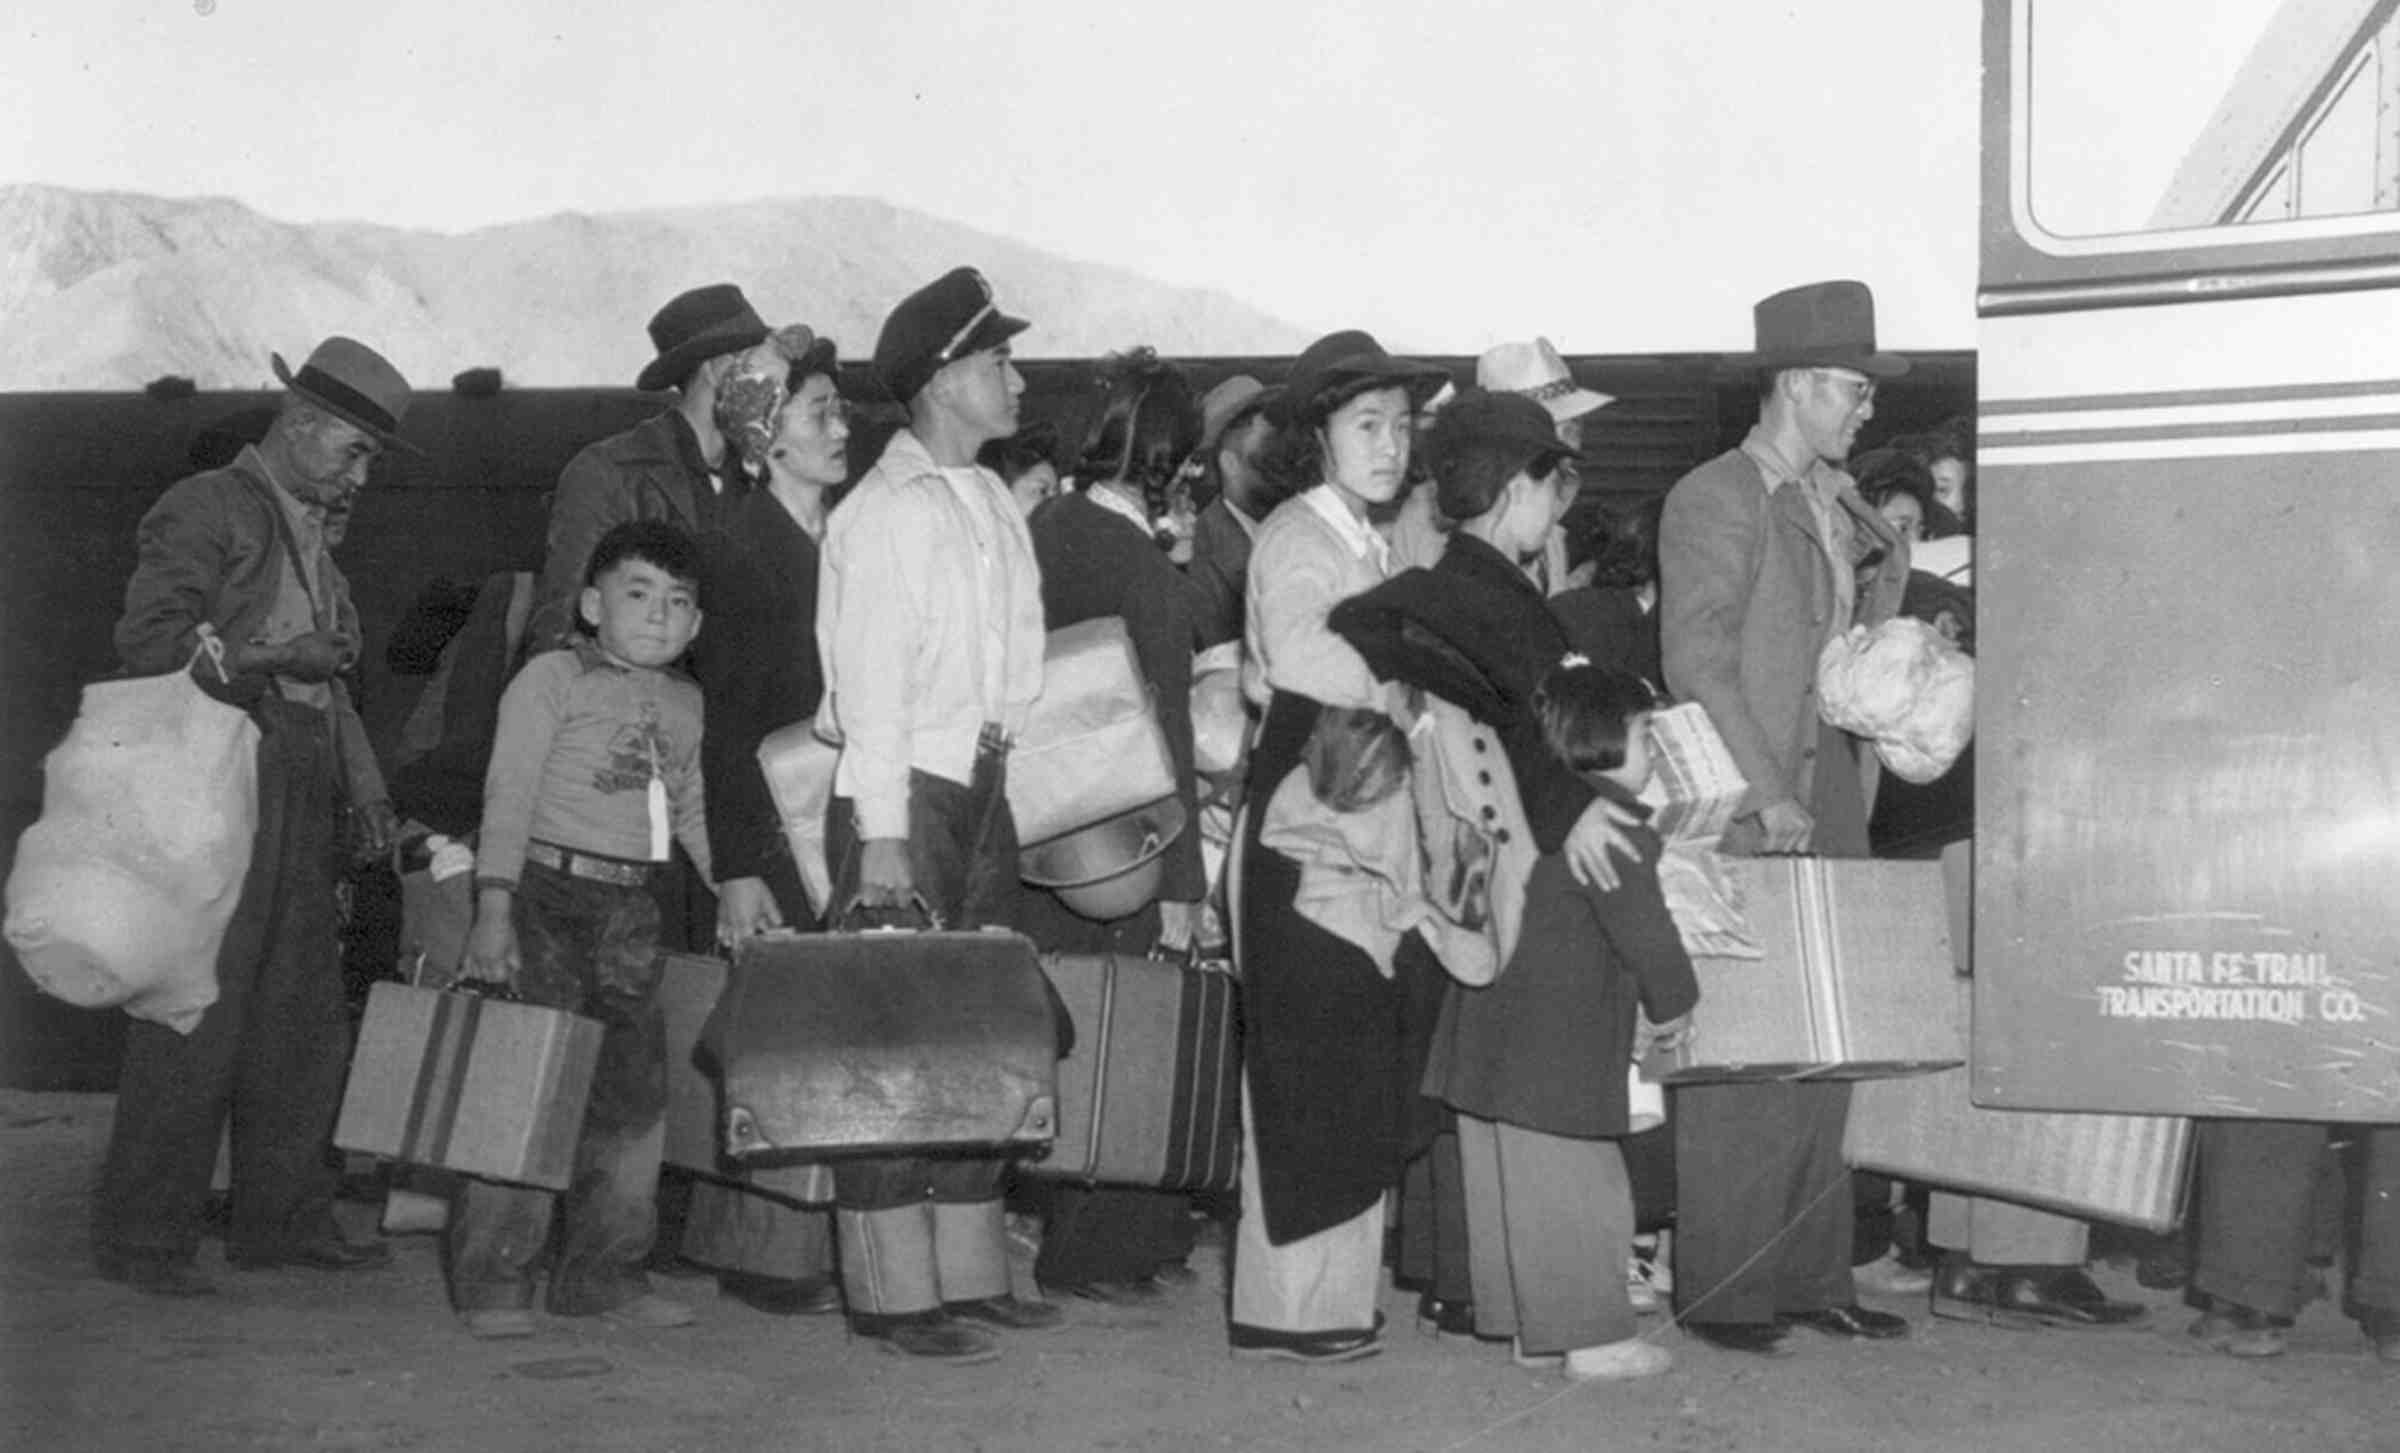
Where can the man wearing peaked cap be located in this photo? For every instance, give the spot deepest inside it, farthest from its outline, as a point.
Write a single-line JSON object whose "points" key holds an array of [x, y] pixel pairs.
{"points": [[672, 466], [929, 620], [242, 551], [1766, 553]]}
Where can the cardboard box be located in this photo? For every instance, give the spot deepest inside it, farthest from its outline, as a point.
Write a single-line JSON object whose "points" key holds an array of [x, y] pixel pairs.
{"points": [[466, 1083], [1856, 978], [1695, 787]]}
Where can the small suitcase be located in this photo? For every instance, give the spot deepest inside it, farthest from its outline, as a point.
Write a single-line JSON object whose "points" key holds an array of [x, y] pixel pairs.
{"points": [[464, 1082], [885, 1041], [1151, 1094]]}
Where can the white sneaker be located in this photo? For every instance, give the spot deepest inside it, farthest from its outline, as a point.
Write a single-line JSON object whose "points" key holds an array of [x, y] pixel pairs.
{"points": [[1618, 1361], [1886, 1277], [1642, 1296]]}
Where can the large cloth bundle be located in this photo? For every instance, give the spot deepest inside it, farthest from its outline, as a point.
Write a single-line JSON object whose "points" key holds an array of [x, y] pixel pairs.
{"points": [[1092, 746], [122, 891], [1904, 687], [799, 767]]}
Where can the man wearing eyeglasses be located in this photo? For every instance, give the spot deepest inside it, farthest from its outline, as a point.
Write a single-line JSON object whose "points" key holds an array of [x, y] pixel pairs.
{"points": [[1766, 553]]}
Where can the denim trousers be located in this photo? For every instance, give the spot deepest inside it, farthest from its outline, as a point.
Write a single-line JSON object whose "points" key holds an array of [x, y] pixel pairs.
{"points": [[591, 948]]}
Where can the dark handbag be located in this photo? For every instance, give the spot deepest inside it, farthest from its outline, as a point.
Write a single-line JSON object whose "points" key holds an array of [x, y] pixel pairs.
{"points": [[885, 1040], [1151, 1095]]}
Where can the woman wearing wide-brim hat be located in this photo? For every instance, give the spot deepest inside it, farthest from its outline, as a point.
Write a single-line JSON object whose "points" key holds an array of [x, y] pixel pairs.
{"points": [[1334, 1033]]}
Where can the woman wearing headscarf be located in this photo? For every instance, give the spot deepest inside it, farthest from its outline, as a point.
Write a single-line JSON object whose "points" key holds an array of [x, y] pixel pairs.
{"points": [[1334, 1024], [756, 661], [1099, 558]]}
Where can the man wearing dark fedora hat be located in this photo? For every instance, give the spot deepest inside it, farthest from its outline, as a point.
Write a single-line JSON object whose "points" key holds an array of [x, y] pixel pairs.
{"points": [[1766, 553], [242, 552], [929, 620], [664, 468]]}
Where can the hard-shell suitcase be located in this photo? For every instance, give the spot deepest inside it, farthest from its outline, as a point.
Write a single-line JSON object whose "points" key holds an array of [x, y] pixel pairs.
{"points": [[885, 1040], [1151, 1094]]}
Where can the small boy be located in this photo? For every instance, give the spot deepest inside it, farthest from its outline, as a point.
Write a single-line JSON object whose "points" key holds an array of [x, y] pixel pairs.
{"points": [[596, 763]]}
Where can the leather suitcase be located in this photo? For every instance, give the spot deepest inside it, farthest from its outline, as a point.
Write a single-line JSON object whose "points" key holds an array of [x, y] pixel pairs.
{"points": [[885, 1041], [462, 1082], [1151, 1094]]}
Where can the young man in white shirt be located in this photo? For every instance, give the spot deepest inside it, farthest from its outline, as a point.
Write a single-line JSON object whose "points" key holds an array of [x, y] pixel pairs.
{"points": [[929, 618]]}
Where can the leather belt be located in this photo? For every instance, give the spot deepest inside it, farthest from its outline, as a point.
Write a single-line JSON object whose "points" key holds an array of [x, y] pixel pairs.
{"points": [[623, 872]]}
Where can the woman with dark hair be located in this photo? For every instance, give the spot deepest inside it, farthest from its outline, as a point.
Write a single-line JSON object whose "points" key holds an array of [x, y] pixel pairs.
{"points": [[756, 661], [1333, 1027], [1614, 619], [1027, 462], [1900, 488], [1098, 559]]}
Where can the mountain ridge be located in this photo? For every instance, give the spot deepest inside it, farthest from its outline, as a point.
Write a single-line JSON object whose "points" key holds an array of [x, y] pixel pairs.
{"points": [[108, 290]]}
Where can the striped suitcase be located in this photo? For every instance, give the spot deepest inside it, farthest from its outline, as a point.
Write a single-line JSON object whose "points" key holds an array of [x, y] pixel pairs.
{"points": [[1151, 1095], [458, 1081]]}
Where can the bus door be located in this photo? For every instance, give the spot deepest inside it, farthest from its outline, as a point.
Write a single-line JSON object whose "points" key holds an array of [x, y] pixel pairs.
{"points": [[2188, 536]]}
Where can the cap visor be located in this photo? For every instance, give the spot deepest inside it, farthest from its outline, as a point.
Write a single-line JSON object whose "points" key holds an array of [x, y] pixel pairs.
{"points": [[1575, 405], [991, 333]]}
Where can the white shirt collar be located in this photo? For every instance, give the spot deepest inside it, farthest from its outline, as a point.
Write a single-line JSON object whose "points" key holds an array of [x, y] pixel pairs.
{"points": [[1361, 537], [1117, 504]]}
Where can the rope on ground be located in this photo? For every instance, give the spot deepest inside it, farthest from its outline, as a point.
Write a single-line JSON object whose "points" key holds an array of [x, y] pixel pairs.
{"points": [[1839, 1183]]}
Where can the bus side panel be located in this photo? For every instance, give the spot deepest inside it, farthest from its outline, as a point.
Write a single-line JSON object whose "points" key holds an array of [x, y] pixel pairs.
{"points": [[2188, 785]]}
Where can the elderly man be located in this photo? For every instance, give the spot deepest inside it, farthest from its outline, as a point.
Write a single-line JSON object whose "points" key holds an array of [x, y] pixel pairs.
{"points": [[929, 618], [243, 551], [1766, 552], [664, 468]]}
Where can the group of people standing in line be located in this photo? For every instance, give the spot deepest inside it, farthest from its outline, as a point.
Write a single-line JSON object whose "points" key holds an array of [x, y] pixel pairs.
{"points": [[1440, 890]]}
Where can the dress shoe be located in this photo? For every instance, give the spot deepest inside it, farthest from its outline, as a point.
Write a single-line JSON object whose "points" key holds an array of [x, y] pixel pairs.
{"points": [[2383, 1333], [1143, 1292], [650, 1312], [1760, 1339], [931, 1336], [327, 1251], [808, 1296], [155, 1275], [2063, 1297], [2239, 1331], [1446, 1316], [2164, 1268], [1256, 1344], [1850, 1321], [1008, 1313], [1886, 1276], [1968, 1291]]}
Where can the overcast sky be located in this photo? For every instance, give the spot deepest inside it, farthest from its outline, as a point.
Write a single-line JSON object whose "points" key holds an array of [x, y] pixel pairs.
{"points": [[1623, 176]]}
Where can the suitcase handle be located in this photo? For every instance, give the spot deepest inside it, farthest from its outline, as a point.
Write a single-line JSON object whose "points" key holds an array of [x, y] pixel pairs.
{"points": [[854, 917], [492, 989]]}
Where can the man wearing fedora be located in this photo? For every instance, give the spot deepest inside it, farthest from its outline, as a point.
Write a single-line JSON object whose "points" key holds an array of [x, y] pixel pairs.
{"points": [[664, 468], [242, 551], [1233, 432], [1766, 552], [929, 620], [1536, 371]]}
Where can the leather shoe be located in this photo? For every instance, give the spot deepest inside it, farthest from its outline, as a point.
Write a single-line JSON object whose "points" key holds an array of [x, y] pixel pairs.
{"points": [[2239, 1331], [155, 1275], [932, 1336], [1968, 1291], [1450, 1317], [1009, 1313], [2063, 1297], [1141, 1292], [327, 1251], [808, 1296], [1850, 1321], [1760, 1339]]}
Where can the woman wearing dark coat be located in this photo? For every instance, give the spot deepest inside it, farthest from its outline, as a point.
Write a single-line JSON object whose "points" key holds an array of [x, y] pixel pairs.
{"points": [[1099, 558], [756, 661]]}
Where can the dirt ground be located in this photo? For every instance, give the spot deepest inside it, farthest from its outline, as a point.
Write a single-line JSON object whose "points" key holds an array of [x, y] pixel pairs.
{"points": [[300, 1360]]}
